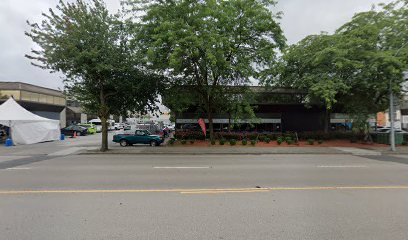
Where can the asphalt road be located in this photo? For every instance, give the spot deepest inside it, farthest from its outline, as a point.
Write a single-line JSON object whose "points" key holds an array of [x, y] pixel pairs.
{"points": [[206, 197]]}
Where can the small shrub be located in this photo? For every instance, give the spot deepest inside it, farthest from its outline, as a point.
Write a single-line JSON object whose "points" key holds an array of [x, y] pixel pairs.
{"points": [[262, 138], [212, 142], [183, 141], [320, 141], [222, 141], [253, 136], [353, 139], [244, 142], [253, 142], [310, 141], [267, 140], [171, 141], [233, 142], [279, 140], [289, 141], [272, 137]]}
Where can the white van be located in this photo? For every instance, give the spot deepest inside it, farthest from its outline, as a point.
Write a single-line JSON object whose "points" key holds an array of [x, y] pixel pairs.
{"points": [[97, 122]]}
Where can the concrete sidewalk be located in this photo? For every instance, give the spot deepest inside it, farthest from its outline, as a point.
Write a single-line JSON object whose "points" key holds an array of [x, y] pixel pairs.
{"points": [[140, 149]]}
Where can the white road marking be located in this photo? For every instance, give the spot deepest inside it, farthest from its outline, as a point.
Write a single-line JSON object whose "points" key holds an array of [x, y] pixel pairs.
{"points": [[342, 166], [181, 167], [18, 168]]}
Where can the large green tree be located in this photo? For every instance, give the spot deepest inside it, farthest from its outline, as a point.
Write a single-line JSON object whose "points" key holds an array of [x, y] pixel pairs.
{"points": [[210, 44], [91, 48], [356, 66]]}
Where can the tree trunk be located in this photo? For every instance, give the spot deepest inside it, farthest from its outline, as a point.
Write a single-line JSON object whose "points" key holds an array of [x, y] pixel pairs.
{"points": [[104, 117], [326, 121], [229, 122], [104, 145], [211, 125]]}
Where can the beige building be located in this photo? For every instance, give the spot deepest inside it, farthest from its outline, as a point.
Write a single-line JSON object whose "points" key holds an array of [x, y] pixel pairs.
{"points": [[42, 101]]}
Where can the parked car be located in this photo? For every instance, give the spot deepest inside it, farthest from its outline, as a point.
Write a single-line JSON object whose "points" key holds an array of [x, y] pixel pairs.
{"points": [[70, 130], [140, 136], [117, 126], [171, 128], [127, 127], [97, 124], [91, 128]]}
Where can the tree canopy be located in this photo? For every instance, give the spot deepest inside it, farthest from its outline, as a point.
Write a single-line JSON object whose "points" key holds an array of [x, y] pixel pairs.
{"points": [[91, 47], [353, 67], [209, 44]]}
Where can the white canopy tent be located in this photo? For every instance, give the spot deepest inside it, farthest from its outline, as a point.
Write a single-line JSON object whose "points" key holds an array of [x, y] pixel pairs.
{"points": [[27, 127]]}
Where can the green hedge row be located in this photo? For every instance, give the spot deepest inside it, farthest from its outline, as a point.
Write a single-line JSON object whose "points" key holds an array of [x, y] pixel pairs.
{"points": [[303, 136]]}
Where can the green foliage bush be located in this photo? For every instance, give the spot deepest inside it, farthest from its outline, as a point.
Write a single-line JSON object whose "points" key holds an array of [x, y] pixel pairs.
{"points": [[244, 142], [267, 140], [253, 142], [198, 135], [229, 136], [310, 141], [279, 140], [172, 141], [213, 142], [233, 142], [262, 138], [320, 141], [183, 141], [222, 141]]}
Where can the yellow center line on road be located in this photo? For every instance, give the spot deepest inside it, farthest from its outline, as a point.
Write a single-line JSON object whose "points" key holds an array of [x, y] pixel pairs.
{"points": [[218, 192], [203, 191]]}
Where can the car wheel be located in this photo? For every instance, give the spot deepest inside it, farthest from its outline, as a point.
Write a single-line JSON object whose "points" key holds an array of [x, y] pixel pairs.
{"points": [[123, 143], [153, 143]]}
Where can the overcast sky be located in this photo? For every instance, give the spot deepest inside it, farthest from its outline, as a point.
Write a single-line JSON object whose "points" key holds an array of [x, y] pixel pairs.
{"points": [[301, 18]]}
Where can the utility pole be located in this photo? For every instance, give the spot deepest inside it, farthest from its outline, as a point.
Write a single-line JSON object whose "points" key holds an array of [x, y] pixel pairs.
{"points": [[392, 120]]}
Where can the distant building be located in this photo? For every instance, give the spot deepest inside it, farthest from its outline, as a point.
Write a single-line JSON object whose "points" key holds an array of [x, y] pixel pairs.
{"points": [[45, 102], [74, 113]]}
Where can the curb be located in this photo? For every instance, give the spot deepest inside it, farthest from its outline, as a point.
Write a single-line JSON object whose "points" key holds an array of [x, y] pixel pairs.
{"points": [[209, 153]]}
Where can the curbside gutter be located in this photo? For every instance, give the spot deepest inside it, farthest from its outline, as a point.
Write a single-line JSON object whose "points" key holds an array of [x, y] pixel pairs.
{"points": [[235, 151]]}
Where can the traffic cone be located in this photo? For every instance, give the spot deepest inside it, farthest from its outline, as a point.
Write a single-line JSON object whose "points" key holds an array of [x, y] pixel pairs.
{"points": [[74, 135]]}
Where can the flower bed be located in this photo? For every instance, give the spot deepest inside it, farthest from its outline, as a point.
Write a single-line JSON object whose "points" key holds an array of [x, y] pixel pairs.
{"points": [[329, 143]]}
